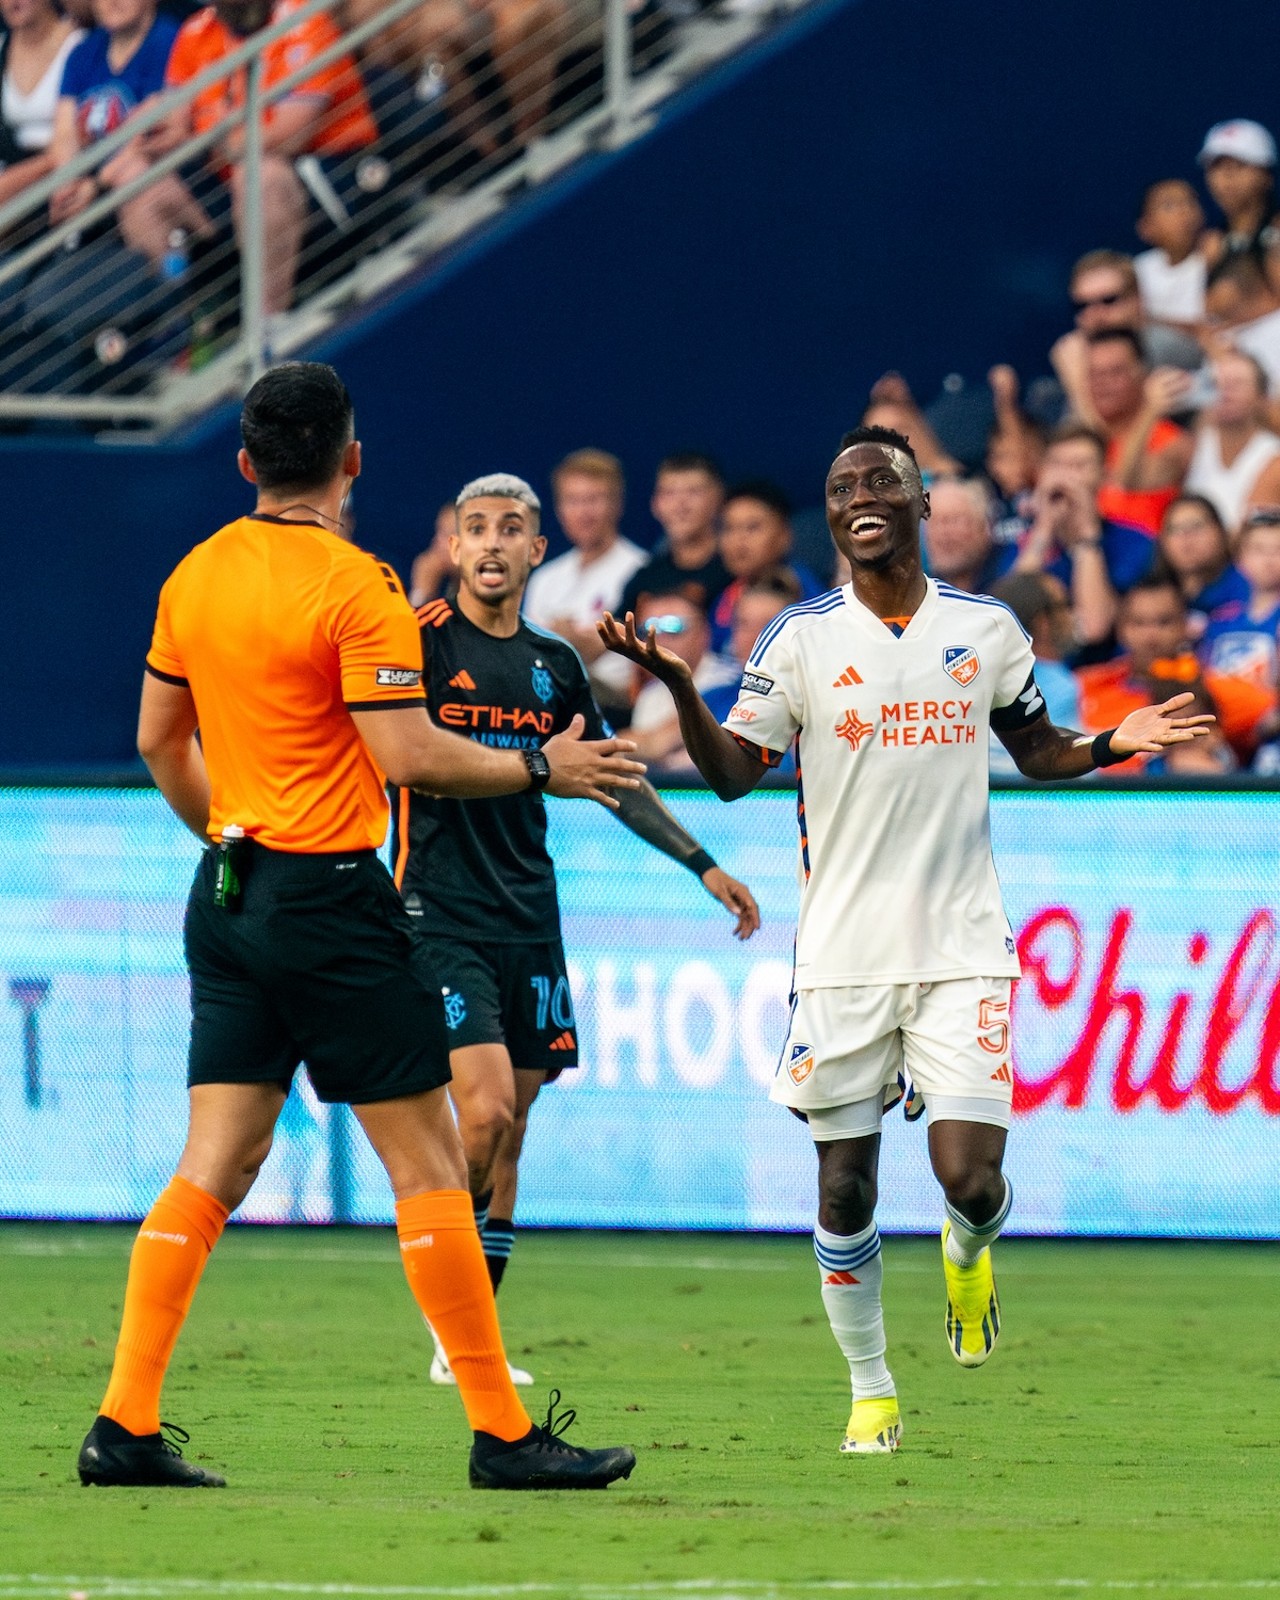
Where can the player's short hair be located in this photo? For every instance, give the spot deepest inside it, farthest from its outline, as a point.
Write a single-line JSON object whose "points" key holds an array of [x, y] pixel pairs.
{"points": [[764, 493], [590, 464], [890, 438], [296, 422], [690, 461], [501, 486], [1114, 260], [1118, 336], [874, 433]]}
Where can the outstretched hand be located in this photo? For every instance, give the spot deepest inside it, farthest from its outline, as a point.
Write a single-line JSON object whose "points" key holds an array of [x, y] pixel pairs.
{"points": [[734, 897], [1152, 729], [644, 649], [587, 769]]}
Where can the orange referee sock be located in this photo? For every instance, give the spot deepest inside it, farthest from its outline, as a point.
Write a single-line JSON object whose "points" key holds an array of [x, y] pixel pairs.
{"points": [[446, 1269], [168, 1257]]}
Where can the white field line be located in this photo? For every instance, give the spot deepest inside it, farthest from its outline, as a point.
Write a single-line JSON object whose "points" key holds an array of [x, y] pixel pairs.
{"points": [[37, 1586], [384, 1257], [533, 1262]]}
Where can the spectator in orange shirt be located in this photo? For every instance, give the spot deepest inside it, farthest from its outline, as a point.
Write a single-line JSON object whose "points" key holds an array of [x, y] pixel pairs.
{"points": [[326, 117], [1158, 662], [1147, 455], [1105, 294]]}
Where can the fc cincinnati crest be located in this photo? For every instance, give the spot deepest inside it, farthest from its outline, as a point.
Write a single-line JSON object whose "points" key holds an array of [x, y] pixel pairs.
{"points": [[801, 1063], [543, 687], [960, 661]]}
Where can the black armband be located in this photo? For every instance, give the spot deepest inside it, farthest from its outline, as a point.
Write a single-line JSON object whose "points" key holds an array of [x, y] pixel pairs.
{"points": [[699, 863], [1026, 709], [1101, 753]]}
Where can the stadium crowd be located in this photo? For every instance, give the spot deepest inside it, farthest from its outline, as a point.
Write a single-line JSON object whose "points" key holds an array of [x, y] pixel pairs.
{"points": [[439, 98], [1126, 506], [1127, 509]]}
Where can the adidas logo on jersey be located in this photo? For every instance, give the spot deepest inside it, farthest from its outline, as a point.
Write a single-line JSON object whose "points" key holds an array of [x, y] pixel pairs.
{"points": [[1003, 1074], [434, 614], [566, 1041], [463, 680], [847, 677]]}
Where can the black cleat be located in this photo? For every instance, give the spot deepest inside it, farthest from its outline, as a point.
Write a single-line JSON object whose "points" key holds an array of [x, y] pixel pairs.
{"points": [[111, 1455], [542, 1459]]}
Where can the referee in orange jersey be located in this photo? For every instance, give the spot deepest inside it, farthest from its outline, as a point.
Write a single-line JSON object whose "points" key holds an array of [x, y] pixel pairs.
{"points": [[298, 659]]}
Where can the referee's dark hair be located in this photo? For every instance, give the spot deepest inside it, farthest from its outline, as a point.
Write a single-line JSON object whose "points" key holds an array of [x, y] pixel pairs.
{"points": [[296, 422]]}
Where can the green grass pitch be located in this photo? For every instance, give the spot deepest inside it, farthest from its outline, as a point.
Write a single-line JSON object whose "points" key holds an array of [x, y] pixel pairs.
{"points": [[1124, 1439]]}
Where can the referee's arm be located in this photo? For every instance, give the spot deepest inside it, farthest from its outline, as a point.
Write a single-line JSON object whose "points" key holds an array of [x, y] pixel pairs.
{"points": [[415, 753], [167, 744]]}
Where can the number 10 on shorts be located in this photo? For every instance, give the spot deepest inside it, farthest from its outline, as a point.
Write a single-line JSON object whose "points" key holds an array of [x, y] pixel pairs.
{"points": [[555, 1002]]}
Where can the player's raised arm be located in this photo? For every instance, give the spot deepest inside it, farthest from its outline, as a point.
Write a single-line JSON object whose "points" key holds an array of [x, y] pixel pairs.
{"points": [[1046, 752], [732, 766], [415, 753]]}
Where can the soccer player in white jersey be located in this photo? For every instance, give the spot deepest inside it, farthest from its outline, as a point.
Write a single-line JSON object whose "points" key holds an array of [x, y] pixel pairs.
{"points": [[904, 956]]}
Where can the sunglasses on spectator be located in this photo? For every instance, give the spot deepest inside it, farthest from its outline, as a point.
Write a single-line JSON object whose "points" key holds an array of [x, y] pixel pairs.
{"points": [[1101, 300], [668, 624]]}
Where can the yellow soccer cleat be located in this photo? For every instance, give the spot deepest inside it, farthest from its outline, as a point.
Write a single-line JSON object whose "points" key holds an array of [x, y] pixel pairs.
{"points": [[973, 1307], [875, 1427]]}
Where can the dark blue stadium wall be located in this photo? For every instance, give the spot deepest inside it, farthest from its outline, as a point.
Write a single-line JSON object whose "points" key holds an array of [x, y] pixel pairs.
{"points": [[887, 185]]}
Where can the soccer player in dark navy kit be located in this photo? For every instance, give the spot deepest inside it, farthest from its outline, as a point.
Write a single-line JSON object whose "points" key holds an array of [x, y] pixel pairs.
{"points": [[476, 876]]}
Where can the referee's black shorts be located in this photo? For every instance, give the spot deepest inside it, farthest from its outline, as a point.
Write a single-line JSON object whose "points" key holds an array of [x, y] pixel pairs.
{"points": [[316, 967]]}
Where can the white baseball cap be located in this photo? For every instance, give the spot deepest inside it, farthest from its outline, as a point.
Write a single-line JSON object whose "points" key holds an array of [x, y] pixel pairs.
{"points": [[1246, 141]]}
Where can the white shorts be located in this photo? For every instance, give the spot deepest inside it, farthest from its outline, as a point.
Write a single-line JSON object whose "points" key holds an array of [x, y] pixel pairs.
{"points": [[848, 1049]]}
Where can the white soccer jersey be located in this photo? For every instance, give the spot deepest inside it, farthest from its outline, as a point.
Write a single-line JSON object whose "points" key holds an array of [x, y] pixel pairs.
{"points": [[897, 880]]}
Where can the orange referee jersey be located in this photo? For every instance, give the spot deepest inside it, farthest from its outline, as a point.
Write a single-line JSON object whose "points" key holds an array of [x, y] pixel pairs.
{"points": [[281, 630]]}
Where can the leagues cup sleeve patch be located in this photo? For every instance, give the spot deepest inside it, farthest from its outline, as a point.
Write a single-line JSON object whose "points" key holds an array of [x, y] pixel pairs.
{"points": [[757, 683], [398, 678]]}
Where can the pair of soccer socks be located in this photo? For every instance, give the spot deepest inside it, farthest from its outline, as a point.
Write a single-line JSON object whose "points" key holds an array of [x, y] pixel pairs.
{"points": [[443, 1262], [852, 1275]]}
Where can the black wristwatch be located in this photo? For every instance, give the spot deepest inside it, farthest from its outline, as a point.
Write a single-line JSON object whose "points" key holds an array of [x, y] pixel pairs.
{"points": [[539, 769]]}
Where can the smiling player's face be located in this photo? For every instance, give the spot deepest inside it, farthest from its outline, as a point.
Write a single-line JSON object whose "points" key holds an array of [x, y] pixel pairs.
{"points": [[496, 547], [875, 501]]}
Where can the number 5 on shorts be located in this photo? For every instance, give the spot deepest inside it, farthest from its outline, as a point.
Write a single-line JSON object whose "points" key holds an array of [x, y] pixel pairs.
{"points": [[993, 1026]]}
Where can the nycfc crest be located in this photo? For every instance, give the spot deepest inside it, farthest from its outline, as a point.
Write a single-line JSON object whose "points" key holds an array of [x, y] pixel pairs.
{"points": [[960, 661], [543, 687]]}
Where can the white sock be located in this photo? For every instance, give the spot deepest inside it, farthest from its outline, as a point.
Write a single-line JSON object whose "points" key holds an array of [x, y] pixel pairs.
{"points": [[852, 1273], [967, 1240]]}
